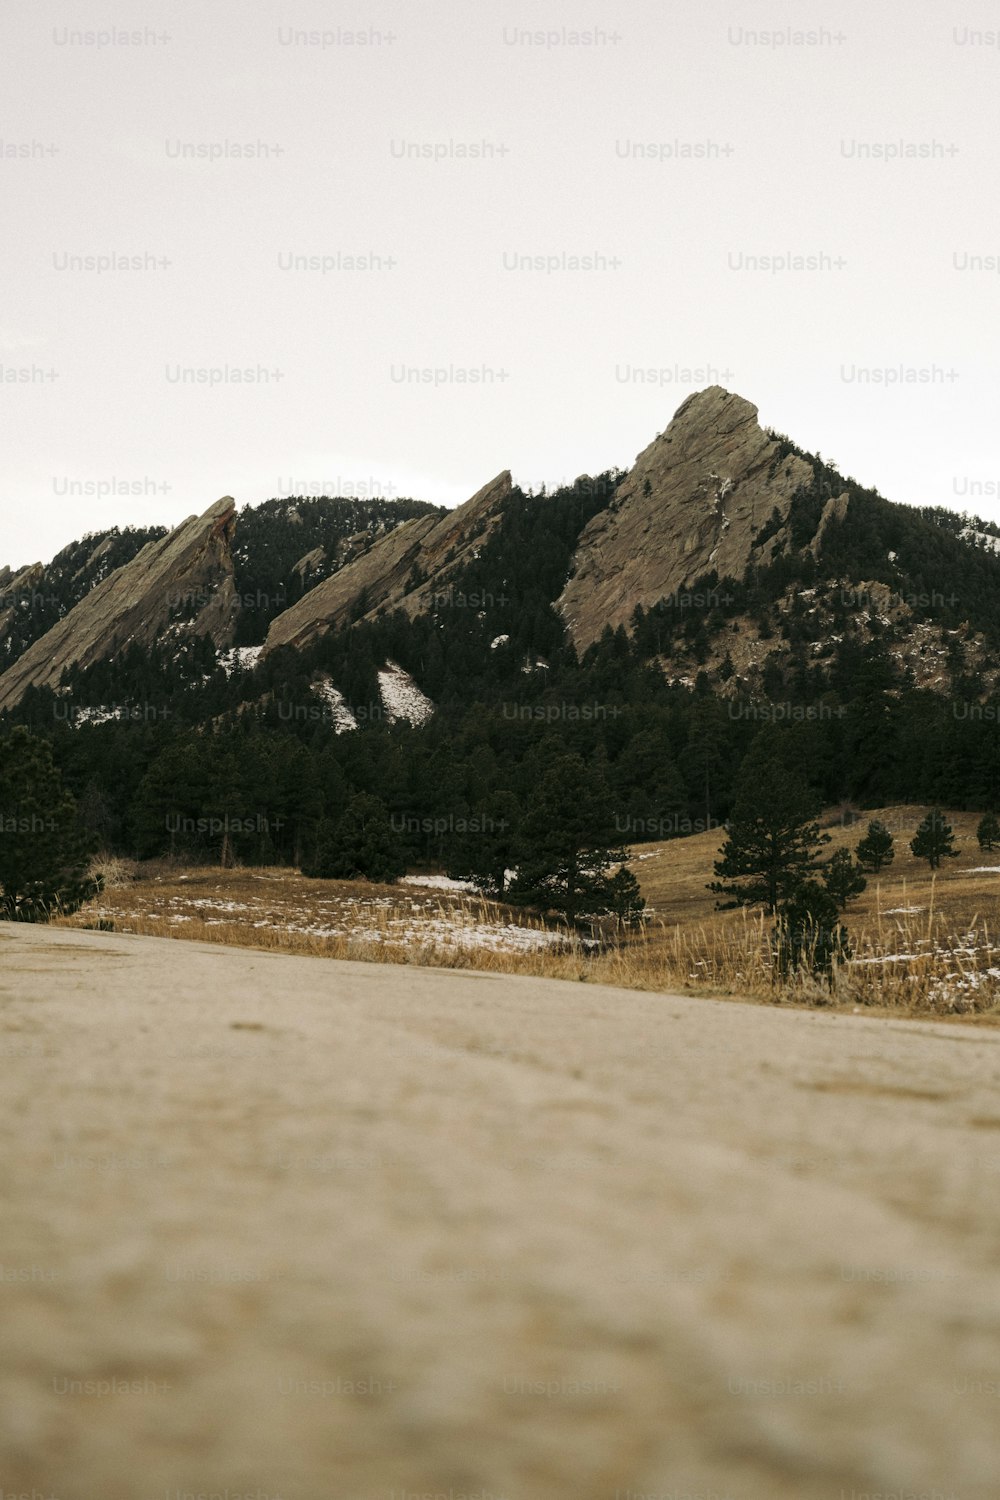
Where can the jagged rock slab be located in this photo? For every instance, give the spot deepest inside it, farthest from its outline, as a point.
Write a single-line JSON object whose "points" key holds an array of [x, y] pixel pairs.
{"points": [[381, 579], [182, 583], [694, 500]]}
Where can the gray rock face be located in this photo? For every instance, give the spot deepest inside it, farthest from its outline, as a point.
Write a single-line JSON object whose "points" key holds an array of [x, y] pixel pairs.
{"points": [[694, 500], [310, 562], [181, 584], [381, 579]]}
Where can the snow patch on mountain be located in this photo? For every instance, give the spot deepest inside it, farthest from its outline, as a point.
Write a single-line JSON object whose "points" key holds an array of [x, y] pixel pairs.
{"points": [[239, 659], [341, 717], [984, 539], [97, 713], [401, 698]]}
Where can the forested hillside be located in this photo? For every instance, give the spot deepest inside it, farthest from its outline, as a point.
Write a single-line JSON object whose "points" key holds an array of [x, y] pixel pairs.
{"points": [[285, 547]]}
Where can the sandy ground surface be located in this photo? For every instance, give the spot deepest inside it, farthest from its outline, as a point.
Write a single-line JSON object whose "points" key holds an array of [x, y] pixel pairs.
{"points": [[284, 1226]]}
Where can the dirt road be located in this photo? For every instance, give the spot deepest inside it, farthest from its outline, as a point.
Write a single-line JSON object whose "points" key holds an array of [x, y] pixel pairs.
{"points": [[282, 1226]]}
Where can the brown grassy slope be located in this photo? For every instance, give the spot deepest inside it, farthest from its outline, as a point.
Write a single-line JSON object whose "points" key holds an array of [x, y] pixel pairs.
{"points": [[923, 944], [674, 875]]}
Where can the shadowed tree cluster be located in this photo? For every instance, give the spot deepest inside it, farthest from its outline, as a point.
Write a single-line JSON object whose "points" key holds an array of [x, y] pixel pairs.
{"points": [[43, 851]]}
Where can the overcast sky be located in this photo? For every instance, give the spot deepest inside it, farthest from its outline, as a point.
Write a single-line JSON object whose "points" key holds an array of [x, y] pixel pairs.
{"points": [[670, 144]]}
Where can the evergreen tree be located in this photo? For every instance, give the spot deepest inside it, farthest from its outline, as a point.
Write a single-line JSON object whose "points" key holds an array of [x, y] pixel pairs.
{"points": [[626, 901], [650, 791], [876, 848], [934, 840], [567, 843], [842, 878], [488, 849], [773, 836], [43, 852], [360, 845], [988, 832], [808, 933]]}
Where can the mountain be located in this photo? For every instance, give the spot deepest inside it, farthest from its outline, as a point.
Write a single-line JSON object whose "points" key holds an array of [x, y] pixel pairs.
{"points": [[221, 575], [695, 500], [272, 666], [180, 585], [726, 555], [34, 598], [283, 548], [726, 550], [404, 570]]}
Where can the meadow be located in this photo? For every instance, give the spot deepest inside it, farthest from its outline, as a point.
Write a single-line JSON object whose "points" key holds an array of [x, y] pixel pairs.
{"points": [[923, 943]]}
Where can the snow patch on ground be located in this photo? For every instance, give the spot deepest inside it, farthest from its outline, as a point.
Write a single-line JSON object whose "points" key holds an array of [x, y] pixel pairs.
{"points": [[500, 640], [437, 883], [954, 990], [887, 958], [401, 698], [496, 937], [427, 924]]}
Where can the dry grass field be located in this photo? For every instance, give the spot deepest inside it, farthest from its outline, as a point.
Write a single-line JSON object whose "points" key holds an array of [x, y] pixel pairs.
{"points": [[923, 943]]}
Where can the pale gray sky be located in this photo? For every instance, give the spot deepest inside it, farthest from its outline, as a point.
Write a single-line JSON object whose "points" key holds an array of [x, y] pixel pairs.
{"points": [[672, 147]]}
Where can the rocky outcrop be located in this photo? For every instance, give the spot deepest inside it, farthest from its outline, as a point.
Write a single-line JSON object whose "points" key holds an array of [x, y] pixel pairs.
{"points": [[177, 586], [310, 562], [695, 500], [403, 570]]}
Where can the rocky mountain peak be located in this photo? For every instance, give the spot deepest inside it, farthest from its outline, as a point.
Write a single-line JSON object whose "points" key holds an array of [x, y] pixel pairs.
{"points": [[694, 500]]}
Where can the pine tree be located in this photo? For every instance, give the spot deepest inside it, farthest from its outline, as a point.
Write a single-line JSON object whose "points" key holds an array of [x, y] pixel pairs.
{"points": [[934, 840], [568, 843], [988, 832], [842, 878], [43, 853], [360, 845], [650, 790], [488, 849], [808, 932], [876, 848], [626, 902], [773, 836]]}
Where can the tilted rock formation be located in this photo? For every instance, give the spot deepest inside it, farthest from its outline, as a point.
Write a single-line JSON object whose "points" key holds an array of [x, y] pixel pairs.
{"points": [[382, 579], [181, 584], [695, 500], [310, 562]]}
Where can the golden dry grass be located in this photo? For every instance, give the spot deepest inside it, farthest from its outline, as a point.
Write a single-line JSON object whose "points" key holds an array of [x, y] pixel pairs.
{"points": [[923, 944], [947, 923]]}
